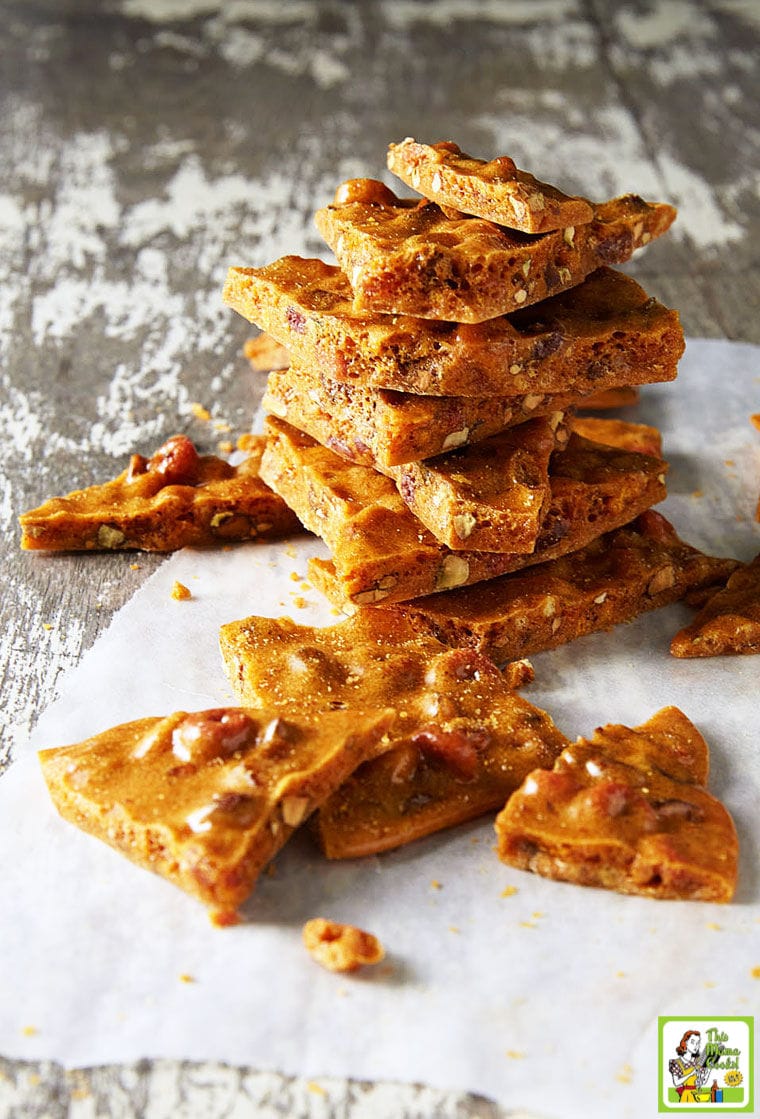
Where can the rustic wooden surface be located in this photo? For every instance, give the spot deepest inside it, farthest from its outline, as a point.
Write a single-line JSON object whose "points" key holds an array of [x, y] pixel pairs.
{"points": [[147, 144]]}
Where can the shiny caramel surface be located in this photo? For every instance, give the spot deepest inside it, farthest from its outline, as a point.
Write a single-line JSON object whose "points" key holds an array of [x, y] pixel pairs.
{"points": [[626, 810], [174, 499], [207, 798], [381, 552], [622, 574], [409, 258], [729, 622]]}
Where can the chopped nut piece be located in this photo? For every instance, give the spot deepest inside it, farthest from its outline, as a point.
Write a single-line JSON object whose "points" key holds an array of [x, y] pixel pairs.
{"points": [[109, 537], [453, 572], [340, 947]]}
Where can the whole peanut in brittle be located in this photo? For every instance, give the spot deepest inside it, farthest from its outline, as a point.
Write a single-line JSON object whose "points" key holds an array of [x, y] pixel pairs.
{"points": [[404, 257], [172, 500], [604, 332], [626, 810], [493, 189]]}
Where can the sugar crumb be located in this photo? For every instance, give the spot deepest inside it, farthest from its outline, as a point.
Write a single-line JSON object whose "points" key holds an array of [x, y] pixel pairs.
{"points": [[185, 978], [199, 411], [508, 892], [755, 972], [180, 592], [46, 625], [30, 1031], [317, 1089], [625, 1076], [435, 884], [516, 1054]]}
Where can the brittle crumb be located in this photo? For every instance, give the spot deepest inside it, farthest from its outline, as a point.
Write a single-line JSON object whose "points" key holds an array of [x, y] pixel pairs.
{"points": [[340, 947], [180, 592]]}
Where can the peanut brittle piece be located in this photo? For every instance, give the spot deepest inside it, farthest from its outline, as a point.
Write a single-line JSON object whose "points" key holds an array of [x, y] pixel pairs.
{"points": [[173, 500], [627, 811], [462, 737], [622, 574], [371, 660], [384, 428], [604, 332], [493, 189], [207, 799], [619, 433], [405, 257], [490, 497], [729, 622], [470, 752], [382, 552]]}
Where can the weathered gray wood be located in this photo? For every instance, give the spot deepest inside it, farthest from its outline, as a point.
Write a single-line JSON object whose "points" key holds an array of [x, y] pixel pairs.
{"points": [[141, 154]]}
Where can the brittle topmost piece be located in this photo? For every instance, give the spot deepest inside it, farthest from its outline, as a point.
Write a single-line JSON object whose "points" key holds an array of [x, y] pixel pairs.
{"points": [[493, 189], [407, 257], [175, 499], [627, 811], [606, 331], [206, 799]]}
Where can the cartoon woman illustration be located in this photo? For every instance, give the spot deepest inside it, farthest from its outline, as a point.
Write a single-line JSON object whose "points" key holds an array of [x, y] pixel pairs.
{"points": [[687, 1069]]}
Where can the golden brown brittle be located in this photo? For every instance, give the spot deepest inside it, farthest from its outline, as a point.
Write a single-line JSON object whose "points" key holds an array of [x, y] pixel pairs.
{"points": [[206, 799], [493, 189], [175, 499], [404, 257], [604, 332], [626, 810]]}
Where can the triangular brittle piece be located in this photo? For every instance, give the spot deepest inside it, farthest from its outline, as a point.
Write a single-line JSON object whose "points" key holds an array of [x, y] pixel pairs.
{"points": [[493, 189], [405, 257], [463, 739], [626, 810], [490, 497], [624, 573], [175, 499], [603, 332], [206, 799], [729, 622]]}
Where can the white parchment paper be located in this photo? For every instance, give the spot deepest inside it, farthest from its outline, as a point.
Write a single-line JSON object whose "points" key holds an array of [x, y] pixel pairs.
{"points": [[546, 998]]}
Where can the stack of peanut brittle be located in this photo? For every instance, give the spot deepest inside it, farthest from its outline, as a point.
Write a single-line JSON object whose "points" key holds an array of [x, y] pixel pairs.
{"points": [[422, 421], [422, 409]]}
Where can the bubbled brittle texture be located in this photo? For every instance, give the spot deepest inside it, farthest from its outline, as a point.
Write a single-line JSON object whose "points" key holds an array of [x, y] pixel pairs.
{"points": [[409, 258], [729, 622], [604, 332], [624, 573], [627, 811], [381, 552], [206, 502], [462, 739]]}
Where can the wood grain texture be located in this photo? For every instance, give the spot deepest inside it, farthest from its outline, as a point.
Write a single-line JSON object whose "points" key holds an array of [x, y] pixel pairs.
{"points": [[147, 145]]}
